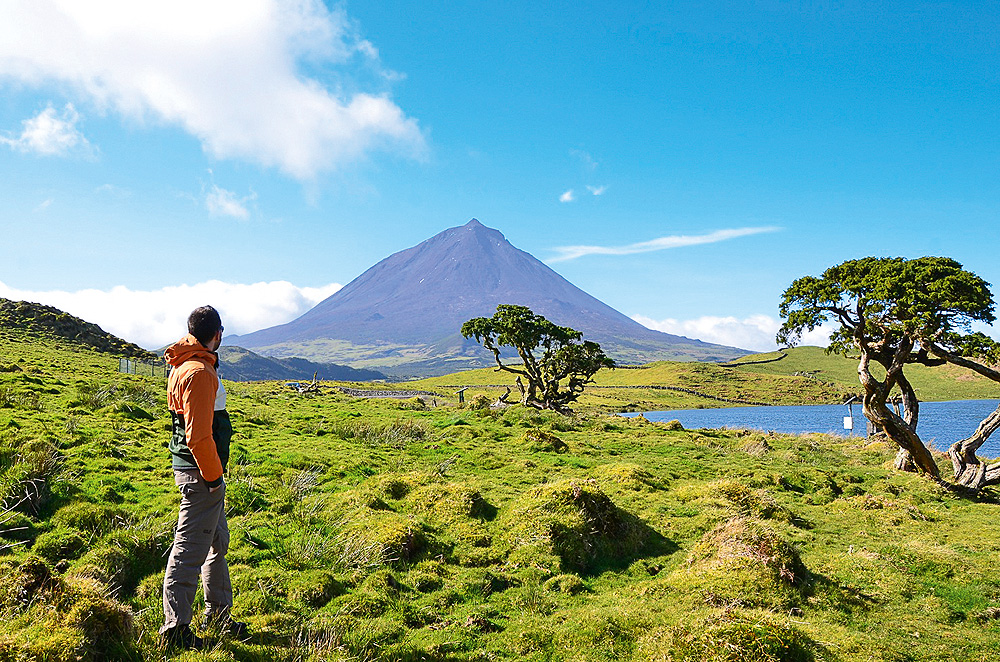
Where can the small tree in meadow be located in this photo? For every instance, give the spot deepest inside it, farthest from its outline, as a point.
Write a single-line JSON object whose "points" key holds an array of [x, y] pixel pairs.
{"points": [[554, 362]]}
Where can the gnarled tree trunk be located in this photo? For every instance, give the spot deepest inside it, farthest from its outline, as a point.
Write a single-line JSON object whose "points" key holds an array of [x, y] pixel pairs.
{"points": [[895, 427], [970, 473]]}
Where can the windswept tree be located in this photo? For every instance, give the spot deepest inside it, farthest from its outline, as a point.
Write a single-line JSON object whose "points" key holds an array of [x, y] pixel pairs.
{"points": [[554, 362], [895, 312]]}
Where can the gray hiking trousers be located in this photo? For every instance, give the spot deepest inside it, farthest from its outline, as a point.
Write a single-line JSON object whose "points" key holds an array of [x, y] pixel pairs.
{"points": [[200, 546]]}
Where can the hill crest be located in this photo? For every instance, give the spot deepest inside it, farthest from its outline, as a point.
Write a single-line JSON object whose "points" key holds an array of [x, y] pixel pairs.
{"points": [[41, 321]]}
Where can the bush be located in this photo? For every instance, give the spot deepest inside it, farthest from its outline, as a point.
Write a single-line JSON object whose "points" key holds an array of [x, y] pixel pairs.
{"points": [[382, 537], [570, 584], [107, 625], [450, 503], [480, 402], [631, 476], [16, 526], [22, 583], [243, 497], [35, 468]]}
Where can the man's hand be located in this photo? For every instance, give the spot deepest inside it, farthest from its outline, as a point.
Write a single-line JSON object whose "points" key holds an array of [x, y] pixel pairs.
{"points": [[214, 489]]}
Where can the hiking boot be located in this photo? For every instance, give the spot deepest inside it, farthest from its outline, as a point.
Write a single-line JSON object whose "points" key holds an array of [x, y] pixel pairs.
{"points": [[224, 623], [181, 636]]}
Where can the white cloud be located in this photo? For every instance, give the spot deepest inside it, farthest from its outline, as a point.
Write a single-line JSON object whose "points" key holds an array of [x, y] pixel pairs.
{"points": [[755, 332], [50, 134], [568, 196], [221, 202], [275, 82], [42, 206], [676, 241], [113, 191], [585, 158], [154, 318], [597, 190]]}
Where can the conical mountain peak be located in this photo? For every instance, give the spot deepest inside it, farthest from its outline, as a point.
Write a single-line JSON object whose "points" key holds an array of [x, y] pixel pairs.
{"points": [[413, 303]]}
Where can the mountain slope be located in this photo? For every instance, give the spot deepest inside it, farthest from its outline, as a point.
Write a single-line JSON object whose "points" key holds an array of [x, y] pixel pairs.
{"points": [[404, 313], [242, 365]]}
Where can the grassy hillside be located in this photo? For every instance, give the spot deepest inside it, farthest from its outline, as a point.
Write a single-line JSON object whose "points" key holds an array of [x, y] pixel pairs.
{"points": [[388, 530], [242, 365], [931, 384], [21, 319], [806, 375], [665, 385]]}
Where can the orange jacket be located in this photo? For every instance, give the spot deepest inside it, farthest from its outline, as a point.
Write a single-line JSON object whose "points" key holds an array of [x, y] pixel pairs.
{"points": [[191, 393]]}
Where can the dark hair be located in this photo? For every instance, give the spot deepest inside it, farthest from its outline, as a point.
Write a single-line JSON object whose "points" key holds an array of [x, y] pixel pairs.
{"points": [[204, 323]]}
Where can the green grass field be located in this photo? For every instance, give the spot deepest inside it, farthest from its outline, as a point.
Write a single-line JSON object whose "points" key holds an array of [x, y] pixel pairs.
{"points": [[931, 384], [396, 530], [807, 375]]}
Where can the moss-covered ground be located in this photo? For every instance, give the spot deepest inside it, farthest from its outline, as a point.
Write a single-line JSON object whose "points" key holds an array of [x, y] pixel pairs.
{"points": [[400, 530]]}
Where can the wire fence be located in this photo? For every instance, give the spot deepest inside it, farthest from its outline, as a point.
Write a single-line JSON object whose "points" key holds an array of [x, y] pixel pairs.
{"points": [[151, 368]]}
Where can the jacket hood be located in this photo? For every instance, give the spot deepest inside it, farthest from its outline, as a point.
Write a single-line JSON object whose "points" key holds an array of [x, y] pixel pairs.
{"points": [[188, 348]]}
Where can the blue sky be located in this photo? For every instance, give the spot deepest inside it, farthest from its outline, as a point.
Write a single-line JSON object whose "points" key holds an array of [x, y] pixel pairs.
{"points": [[683, 162]]}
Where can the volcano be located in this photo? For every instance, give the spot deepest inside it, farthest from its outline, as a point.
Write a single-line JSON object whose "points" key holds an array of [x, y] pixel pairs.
{"points": [[403, 315]]}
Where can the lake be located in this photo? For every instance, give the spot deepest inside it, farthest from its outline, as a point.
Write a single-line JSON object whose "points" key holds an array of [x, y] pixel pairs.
{"points": [[940, 425]]}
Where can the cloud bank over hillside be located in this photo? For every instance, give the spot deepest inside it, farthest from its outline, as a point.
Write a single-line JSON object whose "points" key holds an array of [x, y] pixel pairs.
{"points": [[154, 318], [288, 84], [755, 332]]}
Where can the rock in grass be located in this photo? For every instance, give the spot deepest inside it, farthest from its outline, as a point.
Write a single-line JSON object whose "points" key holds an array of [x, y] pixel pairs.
{"points": [[574, 526]]}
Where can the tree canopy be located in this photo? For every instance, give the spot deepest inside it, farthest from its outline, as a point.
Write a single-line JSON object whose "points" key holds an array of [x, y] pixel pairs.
{"points": [[896, 312], [563, 366]]}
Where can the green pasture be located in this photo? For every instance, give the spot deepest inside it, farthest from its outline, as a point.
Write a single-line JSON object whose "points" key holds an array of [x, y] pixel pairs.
{"points": [[394, 529]]}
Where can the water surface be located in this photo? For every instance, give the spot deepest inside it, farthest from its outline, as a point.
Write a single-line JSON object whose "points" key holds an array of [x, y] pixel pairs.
{"points": [[940, 424]]}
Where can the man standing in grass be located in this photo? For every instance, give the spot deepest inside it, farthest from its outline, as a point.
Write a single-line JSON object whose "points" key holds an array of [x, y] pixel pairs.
{"points": [[199, 447]]}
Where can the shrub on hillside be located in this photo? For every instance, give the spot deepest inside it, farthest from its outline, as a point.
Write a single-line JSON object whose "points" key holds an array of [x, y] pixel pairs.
{"points": [[57, 618], [480, 401], [32, 470], [631, 476], [16, 526]]}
